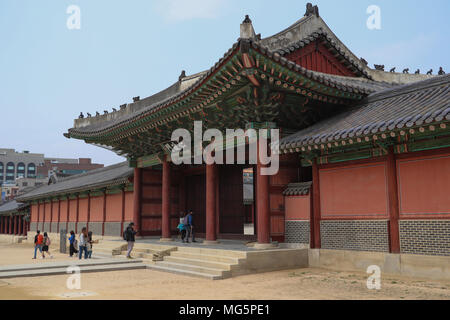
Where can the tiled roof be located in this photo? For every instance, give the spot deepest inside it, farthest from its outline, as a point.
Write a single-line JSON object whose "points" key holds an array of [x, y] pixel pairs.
{"points": [[95, 179], [151, 104], [400, 107], [298, 189], [11, 207], [307, 30]]}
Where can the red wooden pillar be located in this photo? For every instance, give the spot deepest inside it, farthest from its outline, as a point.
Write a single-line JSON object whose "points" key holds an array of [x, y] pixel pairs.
{"points": [[137, 199], [24, 226], [88, 211], [104, 213], [2, 224], [122, 219], [59, 215], [217, 187], [20, 231], [315, 208], [211, 172], [38, 216], [67, 214], [166, 185], [16, 222], [263, 205], [51, 215], [10, 225], [77, 214], [394, 233]]}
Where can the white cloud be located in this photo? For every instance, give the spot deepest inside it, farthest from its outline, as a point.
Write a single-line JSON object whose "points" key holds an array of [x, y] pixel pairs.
{"points": [[181, 10]]}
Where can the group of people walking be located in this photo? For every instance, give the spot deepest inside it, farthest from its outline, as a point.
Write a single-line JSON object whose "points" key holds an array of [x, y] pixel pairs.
{"points": [[42, 243], [85, 244], [186, 226]]}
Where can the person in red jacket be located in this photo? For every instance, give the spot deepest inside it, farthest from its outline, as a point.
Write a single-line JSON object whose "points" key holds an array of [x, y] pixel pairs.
{"points": [[38, 241]]}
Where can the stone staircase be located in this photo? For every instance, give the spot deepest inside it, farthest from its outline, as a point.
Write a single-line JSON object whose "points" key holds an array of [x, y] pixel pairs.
{"points": [[59, 268], [204, 262], [199, 262]]}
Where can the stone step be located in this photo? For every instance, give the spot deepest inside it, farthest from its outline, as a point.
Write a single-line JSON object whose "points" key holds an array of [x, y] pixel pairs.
{"points": [[191, 267], [201, 263], [182, 271], [63, 270], [207, 257], [208, 251]]}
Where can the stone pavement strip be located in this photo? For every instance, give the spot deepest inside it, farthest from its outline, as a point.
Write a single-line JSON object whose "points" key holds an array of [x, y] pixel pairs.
{"points": [[57, 268]]}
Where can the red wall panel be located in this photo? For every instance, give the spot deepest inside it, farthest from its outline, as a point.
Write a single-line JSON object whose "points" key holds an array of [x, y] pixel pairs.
{"points": [[97, 209], [114, 207], [55, 211], [354, 192], [83, 211], [424, 186], [129, 206], [63, 212], [73, 210], [298, 208]]}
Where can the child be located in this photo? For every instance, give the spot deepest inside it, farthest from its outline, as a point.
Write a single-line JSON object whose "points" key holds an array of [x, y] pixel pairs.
{"points": [[89, 244], [47, 244], [182, 227]]}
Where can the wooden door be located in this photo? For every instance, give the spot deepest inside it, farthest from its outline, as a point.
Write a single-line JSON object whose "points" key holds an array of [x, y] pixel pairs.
{"points": [[196, 200], [231, 197]]}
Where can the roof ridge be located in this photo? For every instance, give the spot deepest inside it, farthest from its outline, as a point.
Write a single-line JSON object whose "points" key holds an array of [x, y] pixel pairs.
{"points": [[408, 88], [107, 168]]}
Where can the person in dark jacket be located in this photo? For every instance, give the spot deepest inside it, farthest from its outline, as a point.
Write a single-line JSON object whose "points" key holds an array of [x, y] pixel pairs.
{"points": [[130, 237], [190, 226], [72, 242]]}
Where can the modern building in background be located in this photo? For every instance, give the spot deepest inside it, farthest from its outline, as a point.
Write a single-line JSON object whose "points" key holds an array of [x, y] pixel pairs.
{"points": [[22, 170]]}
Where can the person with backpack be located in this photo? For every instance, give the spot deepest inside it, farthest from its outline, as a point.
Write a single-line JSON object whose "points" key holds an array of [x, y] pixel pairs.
{"points": [[38, 240], [83, 244], [46, 244], [129, 235], [72, 244]]}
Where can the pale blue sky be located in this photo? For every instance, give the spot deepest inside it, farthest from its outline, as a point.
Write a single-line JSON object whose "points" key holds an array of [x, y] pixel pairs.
{"points": [[48, 74]]}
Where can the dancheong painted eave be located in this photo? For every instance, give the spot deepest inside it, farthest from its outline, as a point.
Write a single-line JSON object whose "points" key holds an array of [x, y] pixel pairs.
{"points": [[348, 87]]}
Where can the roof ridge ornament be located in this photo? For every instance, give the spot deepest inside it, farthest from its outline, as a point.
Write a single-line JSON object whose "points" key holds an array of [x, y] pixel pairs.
{"points": [[312, 10], [247, 30], [182, 76]]}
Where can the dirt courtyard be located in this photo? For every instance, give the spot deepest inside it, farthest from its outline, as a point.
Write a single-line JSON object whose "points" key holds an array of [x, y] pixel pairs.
{"points": [[299, 284]]}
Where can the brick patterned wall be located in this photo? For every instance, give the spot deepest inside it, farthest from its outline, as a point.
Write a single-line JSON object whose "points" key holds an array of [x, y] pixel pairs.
{"points": [[54, 226], [112, 229], [33, 226], [425, 237], [369, 235], [46, 227], [71, 227], [96, 228], [81, 225], [297, 232]]}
